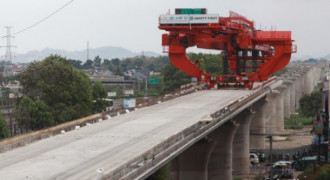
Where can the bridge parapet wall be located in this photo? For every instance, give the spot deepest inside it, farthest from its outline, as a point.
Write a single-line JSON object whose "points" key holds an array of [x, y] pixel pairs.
{"points": [[21, 140]]}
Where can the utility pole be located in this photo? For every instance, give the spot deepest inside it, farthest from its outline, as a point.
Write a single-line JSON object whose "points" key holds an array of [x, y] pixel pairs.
{"points": [[146, 93], [271, 155], [270, 136], [8, 69]]}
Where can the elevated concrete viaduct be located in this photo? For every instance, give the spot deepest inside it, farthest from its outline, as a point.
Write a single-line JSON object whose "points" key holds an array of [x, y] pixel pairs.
{"points": [[204, 136], [234, 140]]}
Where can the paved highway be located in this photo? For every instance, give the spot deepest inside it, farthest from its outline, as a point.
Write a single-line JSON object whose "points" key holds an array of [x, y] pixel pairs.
{"points": [[108, 144]]}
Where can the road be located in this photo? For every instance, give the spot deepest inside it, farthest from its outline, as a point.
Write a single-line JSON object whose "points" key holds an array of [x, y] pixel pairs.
{"points": [[108, 144]]}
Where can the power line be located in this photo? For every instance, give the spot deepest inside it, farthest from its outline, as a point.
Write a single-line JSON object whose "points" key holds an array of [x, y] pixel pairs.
{"points": [[50, 15]]}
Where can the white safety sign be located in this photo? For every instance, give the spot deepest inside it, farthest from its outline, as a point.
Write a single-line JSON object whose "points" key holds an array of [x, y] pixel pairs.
{"points": [[188, 19]]}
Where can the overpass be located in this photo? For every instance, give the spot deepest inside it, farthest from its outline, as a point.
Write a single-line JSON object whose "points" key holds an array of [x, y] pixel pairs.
{"points": [[200, 129]]}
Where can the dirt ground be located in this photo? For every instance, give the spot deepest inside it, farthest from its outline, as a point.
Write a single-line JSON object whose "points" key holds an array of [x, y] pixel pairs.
{"points": [[292, 139]]}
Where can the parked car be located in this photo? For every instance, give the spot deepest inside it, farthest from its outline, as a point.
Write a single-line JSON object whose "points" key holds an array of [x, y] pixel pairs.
{"points": [[254, 158]]}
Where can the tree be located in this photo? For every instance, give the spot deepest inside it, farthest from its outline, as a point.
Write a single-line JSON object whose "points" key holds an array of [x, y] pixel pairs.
{"points": [[107, 65], [89, 64], [151, 67], [60, 86], [97, 61], [76, 63], [210, 63], [5, 93], [174, 78], [310, 104], [125, 65], [4, 130], [202, 65], [99, 95], [213, 64], [138, 63], [23, 116], [115, 61], [34, 114]]}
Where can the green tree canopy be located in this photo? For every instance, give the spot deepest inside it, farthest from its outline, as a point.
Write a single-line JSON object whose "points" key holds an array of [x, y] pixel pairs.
{"points": [[115, 61], [89, 64], [4, 130], [107, 65], [310, 104], [174, 78], [97, 61], [65, 90], [35, 114], [76, 63], [99, 95], [210, 63]]}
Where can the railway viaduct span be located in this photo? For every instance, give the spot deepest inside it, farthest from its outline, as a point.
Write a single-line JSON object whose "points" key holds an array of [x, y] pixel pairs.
{"points": [[205, 135]]}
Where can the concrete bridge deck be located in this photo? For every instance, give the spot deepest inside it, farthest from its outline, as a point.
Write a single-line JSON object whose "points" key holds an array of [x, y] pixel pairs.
{"points": [[111, 143]]}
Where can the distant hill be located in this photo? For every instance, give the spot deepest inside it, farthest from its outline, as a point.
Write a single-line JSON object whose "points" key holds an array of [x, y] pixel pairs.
{"points": [[107, 52]]}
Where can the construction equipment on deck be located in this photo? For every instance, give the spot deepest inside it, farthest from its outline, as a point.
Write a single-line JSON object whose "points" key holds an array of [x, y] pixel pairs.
{"points": [[248, 55]]}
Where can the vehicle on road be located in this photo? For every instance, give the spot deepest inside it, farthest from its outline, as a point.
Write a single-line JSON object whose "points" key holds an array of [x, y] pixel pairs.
{"points": [[281, 170], [254, 158], [303, 163]]}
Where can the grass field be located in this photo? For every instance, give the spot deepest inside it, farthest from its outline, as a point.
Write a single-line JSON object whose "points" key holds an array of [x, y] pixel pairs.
{"points": [[297, 122]]}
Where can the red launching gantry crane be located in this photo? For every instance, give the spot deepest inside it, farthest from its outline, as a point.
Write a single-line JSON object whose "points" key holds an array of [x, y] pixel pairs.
{"points": [[249, 55]]}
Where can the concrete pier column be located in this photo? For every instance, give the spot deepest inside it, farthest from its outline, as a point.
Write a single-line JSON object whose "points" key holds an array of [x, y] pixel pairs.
{"points": [[193, 163], [287, 97], [280, 107], [271, 109], [258, 124], [306, 82], [220, 163], [312, 76], [292, 95], [241, 144], [309, 80], [298, 90], [315, 75], [302, 84], [318, 73]]}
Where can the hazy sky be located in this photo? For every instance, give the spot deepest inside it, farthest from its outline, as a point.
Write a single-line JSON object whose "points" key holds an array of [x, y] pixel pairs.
{"points": [[132, 24]]}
